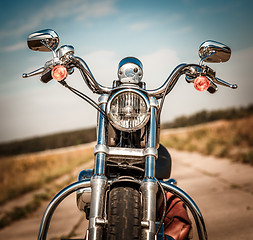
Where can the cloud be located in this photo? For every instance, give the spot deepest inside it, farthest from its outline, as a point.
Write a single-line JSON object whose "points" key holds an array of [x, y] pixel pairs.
{"points": [[139, 26], [174, 17], [222, 9], [142, 25], [59, 9], [183, 30], [97, 9], [103, 65], [238, 70], [158, 65], [15, 47]]}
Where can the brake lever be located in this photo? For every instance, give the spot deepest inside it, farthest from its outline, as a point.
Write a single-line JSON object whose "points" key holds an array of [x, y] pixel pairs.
{"points": [[211, 73], [223, 83], [33, 73]]}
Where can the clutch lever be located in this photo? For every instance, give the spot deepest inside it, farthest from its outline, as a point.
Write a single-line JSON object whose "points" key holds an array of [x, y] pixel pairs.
{"points": [[33, 73]]}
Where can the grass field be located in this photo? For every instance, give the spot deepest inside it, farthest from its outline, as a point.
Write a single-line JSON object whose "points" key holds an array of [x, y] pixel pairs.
{"points": [[37, 171], [231, 139], [24, 173]]}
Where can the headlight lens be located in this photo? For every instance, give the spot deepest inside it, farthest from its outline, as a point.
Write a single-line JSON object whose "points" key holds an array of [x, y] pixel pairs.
{"points": [[128, 110]]}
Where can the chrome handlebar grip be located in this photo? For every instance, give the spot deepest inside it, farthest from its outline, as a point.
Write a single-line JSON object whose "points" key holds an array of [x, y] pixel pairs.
{"points": [[35, 72]]}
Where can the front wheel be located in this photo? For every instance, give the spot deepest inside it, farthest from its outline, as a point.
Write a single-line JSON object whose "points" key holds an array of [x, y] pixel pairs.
{"points": [[124, 214]]}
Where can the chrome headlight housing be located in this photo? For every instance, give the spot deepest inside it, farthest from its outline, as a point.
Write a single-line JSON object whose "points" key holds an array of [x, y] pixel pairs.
{"points": [[128, 109], [130, 70]]}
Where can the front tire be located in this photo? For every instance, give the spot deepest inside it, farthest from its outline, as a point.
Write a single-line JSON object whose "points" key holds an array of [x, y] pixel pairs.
{"points": [[124, 214]]}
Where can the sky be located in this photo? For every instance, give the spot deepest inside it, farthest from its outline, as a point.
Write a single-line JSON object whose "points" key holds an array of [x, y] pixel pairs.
{"points": [[161, 33]]}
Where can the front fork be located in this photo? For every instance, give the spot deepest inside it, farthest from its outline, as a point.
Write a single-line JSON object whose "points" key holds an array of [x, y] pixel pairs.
{"points": [[99, 181], [149, 184]]}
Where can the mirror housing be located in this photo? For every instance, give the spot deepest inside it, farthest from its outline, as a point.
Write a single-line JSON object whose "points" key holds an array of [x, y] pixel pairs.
{"points": [[214, 52], [44, 40]]}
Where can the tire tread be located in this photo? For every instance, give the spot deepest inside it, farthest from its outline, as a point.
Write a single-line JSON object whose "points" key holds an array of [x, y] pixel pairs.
{"points": [[124, 216]]}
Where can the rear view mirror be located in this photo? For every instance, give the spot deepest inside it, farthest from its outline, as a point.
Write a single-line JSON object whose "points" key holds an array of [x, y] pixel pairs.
{"points": [[44, 40], [214, 52]]}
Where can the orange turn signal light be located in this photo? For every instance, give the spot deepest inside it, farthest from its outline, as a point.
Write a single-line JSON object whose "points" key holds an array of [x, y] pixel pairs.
{"points": [[201, 83], [59, 73]]}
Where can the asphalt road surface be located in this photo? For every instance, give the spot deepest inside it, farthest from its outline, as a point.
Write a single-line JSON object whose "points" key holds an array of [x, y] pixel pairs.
{"points": [[222, 190]]}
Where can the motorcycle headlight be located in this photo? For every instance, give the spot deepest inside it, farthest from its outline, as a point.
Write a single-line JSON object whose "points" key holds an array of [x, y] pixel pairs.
{"points": [[128, 109]]}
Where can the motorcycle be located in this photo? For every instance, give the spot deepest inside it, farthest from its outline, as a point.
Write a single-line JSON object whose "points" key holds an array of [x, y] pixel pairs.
{"points": [[132, 170]]}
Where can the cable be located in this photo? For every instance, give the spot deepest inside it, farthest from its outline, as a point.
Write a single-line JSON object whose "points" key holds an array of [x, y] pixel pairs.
{"points": [[87, 76], [86, 98], [90, 101]]}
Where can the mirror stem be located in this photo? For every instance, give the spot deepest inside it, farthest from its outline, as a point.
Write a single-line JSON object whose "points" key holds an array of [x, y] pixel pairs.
{"points": [[203, 59], [55, 58]]}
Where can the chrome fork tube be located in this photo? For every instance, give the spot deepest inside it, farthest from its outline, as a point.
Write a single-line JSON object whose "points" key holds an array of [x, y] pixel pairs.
{"points": [[97, 222], [149, 190], [100, 148], [98, 180], [149, 185]]}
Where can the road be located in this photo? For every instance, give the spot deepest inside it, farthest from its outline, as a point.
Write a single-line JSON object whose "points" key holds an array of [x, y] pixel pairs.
{"points": [[222, 190]]}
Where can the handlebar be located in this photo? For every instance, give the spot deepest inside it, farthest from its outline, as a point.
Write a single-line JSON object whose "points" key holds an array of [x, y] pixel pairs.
{"points": [[159, 92], [192, 70]]}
